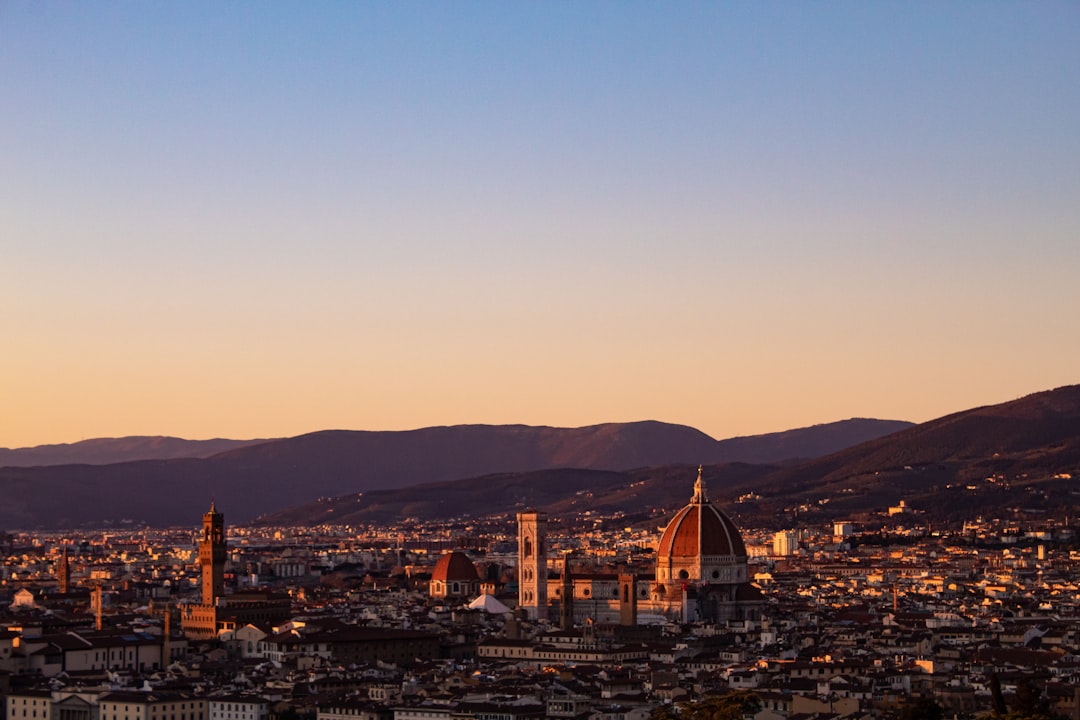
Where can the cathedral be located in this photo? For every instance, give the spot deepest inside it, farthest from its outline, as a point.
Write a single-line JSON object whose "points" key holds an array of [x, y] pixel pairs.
{"points": [[700, 575]]}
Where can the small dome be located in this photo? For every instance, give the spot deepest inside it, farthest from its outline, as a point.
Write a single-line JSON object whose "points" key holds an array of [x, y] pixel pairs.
{"points": [[455, 567]]}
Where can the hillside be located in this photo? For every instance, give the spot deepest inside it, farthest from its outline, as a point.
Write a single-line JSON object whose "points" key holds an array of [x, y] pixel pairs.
{"points": [[1021, 457], [274, 475], [1023, 454], [640, 495], [106, 451]]}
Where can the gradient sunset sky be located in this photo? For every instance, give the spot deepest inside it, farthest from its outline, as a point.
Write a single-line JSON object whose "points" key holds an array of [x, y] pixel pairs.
{"points": [[258, 219]]}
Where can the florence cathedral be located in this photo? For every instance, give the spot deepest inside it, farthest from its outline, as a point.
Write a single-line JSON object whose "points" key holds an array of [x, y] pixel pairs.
{"points": [[700, 575]]}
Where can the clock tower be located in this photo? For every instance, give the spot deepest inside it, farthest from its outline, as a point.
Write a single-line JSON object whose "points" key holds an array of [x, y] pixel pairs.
{"points": [[212, 556]]}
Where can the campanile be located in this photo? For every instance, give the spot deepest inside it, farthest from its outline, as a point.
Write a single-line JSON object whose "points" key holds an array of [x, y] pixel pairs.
{"points": [[532, 563]]}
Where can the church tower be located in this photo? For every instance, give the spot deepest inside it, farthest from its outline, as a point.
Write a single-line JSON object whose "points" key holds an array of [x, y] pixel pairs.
{"points": [[532, 563], [212, 556], [628, 599], [63, 575]]}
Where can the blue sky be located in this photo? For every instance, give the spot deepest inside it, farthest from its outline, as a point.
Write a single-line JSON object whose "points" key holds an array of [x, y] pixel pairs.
{"points": [[257, 219]]}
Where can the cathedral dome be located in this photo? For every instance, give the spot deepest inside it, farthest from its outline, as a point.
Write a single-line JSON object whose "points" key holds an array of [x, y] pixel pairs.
{"points": [[701, 544], [455, 566], [701, 529]]}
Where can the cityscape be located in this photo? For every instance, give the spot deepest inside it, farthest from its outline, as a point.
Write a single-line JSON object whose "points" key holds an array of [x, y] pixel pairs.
{"points": [[593, 360], [529, 615]]}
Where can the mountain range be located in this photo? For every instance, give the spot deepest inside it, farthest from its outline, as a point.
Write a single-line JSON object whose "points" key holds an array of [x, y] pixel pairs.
{"points": [[1017, 459], [105, 451], [271, 476], [1020, 458]]}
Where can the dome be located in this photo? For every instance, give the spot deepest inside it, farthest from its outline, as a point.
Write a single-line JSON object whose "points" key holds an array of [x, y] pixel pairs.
{"points": [[454, 567], [701, 530]]}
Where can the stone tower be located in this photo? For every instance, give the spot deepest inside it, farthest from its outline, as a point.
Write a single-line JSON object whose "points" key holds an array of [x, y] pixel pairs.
{"points": [[63, 574], [532, 563], [212, 556], [628, 599]]}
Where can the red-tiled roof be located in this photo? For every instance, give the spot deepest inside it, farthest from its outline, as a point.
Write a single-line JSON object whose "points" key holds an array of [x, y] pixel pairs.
{"points": [[701, 529], [455, 566]]}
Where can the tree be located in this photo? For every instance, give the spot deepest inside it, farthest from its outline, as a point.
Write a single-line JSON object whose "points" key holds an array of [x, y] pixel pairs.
{"points": [[995, 693], [732, 706], [922, 709], [1028, 703]]}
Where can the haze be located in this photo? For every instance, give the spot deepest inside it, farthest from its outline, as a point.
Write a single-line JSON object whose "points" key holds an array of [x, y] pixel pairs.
{"points": [[258, 220]]}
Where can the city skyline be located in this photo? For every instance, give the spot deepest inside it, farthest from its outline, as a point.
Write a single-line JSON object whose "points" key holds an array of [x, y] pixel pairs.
{"points": [[244, 221]]}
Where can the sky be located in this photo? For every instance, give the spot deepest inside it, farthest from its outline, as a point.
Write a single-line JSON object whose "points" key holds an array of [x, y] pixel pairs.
{"points": [[264, 219]]}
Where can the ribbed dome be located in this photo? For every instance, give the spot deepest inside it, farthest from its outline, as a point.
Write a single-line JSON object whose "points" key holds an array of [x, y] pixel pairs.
{"points": [[455, 567], [701, 529]]}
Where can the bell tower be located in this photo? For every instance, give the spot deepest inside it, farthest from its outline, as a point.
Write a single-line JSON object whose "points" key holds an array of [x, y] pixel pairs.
{"points": [[532, 563], [63, 575], [212, 556]]}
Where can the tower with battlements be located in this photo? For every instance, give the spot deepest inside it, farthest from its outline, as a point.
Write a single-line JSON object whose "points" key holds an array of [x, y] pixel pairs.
{"points": [[212, 555]]}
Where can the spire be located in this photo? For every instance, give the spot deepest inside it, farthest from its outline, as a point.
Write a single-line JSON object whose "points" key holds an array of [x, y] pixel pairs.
{"points": [[699, 489]]}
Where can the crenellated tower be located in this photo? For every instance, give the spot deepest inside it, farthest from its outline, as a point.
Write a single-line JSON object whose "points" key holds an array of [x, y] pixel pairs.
{"points": [[212, 556]]}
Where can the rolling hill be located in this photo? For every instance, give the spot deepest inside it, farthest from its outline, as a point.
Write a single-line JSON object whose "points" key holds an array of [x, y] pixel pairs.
{"points": [[1020, 454], [106, 451], [1020, 457], [639, 494], [270, 476]]}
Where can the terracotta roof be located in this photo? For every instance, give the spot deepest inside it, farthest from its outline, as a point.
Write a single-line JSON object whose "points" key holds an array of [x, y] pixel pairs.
{"points": [[453, 566], [701, 529]]}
